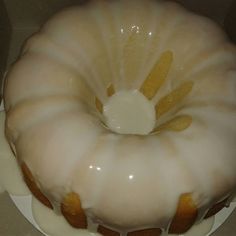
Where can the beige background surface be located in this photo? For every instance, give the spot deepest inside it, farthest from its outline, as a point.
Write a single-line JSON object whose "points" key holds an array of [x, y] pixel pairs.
{"points": [[25, 18]]}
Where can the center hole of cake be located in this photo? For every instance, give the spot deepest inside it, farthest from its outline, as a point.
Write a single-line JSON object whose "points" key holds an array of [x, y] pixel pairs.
{"points": [[129, 112]]}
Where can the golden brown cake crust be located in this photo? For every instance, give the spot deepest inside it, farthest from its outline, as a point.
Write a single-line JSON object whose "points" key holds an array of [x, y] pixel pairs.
{"points": [[185, 216], [107, 232], [216, 208], [146, 232], [72, 210], [29, 180]]}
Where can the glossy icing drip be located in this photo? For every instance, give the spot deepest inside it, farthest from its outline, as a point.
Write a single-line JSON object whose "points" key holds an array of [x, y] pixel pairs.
{"points": [[55, 124]]}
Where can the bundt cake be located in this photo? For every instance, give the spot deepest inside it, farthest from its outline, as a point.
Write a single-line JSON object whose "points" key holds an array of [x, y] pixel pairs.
{"points": [[122, 116]]}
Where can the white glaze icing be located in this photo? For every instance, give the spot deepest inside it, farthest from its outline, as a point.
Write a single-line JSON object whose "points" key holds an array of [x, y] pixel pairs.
{"points": [[49, 222], [10, 176], [130, 112], [68, 64]]}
